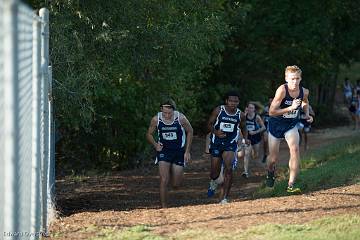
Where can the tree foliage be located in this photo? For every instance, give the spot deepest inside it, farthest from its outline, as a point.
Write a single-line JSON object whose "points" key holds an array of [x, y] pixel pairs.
{"points": [[114, 61]]}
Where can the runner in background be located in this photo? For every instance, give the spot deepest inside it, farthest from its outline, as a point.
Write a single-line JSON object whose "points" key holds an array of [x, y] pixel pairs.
{"points": [[265, 117], [255, 127], [304, 127]]}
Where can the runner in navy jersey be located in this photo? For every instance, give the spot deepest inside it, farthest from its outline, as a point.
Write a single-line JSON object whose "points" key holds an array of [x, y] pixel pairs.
{"points": [[224, 125], [266, 117], [173, 146], [255, 127], [284, 116], [304, 127]]}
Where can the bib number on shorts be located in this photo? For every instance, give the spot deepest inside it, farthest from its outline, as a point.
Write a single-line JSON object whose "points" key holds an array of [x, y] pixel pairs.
{"points": [[169, 136], [291, 114], [227, 127]]}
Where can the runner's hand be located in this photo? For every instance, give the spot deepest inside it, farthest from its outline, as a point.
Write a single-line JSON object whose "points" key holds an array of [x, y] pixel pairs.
{"points": [[158, 146], [295, 103], [219, 133], [309, 119], [187, 157]]}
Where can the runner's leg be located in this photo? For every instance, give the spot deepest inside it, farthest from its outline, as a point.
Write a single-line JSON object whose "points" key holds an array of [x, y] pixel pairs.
{"points": [[164, 172], [274, 144], [177, 175], [228, 157], [292, 139]]}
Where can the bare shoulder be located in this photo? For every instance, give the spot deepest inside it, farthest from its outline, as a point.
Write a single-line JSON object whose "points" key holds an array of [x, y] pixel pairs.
{"points": [[281, 88], [280, 92], [216, 110], [183, 119], [154, 120]]}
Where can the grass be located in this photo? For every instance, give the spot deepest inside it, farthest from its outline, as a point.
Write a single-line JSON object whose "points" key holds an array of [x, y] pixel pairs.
{"points": [[139, 232], [330, 228], [330, 166]]}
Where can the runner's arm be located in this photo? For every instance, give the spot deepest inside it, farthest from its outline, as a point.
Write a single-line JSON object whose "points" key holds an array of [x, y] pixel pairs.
{"points": [[189, 132], [189, 136], [243, 126], [150, 132], [305, 106], [211, 122], [261, 123]]}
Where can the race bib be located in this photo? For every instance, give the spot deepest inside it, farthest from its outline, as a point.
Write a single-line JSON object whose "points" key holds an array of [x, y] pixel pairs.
{"points": [[291, 114], [169, 136], [227, 127], [250, 127]]}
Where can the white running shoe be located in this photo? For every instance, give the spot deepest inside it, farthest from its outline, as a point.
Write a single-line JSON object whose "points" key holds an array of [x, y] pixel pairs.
{"points": [[224, 201]]}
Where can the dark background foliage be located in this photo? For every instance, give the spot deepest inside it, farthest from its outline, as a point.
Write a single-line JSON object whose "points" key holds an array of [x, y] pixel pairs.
{"points": [[114, 61]]}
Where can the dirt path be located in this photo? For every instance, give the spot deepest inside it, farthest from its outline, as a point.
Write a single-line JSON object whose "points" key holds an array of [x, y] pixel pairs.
{"points": [[131, 198]]}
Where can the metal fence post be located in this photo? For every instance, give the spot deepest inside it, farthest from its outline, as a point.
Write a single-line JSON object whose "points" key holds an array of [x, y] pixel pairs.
{"points": [[51, 167], [36, 155], [44, 15], [11, 121]]}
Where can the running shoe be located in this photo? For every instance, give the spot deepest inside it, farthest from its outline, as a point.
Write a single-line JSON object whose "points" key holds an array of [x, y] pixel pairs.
{"points": [[212, 188], [270, 179], [224, 201], [245, 175], [293, 189]]}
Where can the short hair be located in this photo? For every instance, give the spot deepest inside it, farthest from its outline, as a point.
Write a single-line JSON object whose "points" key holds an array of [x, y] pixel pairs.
{"points": [[168, 103], [231, 93], [293, 69]]}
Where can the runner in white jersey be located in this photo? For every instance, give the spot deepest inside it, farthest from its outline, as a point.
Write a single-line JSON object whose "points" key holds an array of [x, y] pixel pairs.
{"points": [[173, 145]]}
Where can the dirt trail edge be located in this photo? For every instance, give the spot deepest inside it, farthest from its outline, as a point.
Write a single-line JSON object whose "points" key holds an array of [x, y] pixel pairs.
{"points": [[131, 198]]}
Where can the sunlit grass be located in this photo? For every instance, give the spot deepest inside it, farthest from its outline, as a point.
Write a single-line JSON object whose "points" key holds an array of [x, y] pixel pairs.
{"points": [[330, 166], [331, 228]]}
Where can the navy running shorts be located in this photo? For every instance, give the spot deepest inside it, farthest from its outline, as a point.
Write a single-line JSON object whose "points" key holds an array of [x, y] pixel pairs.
{"points": [[216, 149], [173, 156]]}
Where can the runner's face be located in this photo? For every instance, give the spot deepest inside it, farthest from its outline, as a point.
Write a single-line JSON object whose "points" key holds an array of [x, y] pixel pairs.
{"points": [[251, 108], [167, 113], [293, 80], [232, 102]]}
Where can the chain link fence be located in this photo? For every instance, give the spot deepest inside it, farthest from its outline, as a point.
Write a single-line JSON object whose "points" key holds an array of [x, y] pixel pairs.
{"points": [[26, 135]]}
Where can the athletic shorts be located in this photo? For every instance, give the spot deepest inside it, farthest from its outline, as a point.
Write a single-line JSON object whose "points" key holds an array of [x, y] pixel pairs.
{"points": [[278, 129], [175, 156], [216, 149], [254, 139]]}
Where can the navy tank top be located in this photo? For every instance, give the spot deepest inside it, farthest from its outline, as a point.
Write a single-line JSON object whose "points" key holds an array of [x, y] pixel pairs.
{"points": [[171, 135], [251, 124], [291, 117], [229, 124]]}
